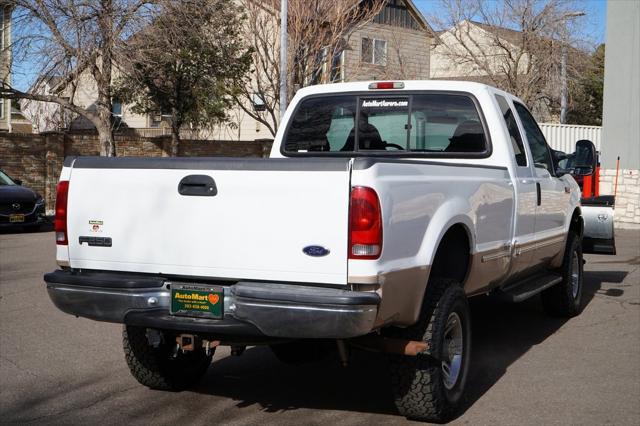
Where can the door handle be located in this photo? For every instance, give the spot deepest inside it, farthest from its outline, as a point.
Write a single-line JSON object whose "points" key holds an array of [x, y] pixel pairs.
{"points": [[539, 192], [198, 185]]}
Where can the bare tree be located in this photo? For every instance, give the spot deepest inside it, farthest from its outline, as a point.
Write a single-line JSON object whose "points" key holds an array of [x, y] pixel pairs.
{"points": [[516, 45], [188, 62], [318, 31], [74, 41]]}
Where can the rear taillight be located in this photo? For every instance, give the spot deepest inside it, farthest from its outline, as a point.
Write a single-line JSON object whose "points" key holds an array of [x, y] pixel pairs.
{"points": [[365, 224], [61, 213]]}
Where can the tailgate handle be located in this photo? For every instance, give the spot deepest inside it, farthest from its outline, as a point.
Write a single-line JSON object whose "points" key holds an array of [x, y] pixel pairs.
{"points": [[198, 185]]}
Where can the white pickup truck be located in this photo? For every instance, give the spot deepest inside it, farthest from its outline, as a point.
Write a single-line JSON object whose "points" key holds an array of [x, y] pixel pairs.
{"points": [[383, 207]]}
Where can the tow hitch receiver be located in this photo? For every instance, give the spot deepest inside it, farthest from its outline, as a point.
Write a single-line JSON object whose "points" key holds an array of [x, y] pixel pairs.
{"points": [[190, 342]]}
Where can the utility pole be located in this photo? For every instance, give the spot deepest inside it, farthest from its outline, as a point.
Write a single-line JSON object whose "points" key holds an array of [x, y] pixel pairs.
{"points": [[283, 57], [563, 70], [563, 87]]}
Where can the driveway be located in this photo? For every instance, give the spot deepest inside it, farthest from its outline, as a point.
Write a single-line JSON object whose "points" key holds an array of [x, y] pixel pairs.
{"points": [[527, 368]]}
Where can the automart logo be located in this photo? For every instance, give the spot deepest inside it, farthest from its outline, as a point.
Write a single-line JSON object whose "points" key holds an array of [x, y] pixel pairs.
{"points": [[384, 103]]}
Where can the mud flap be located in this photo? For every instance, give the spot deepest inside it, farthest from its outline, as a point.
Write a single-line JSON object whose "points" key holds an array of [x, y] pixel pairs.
{"points": [[598, 214]]}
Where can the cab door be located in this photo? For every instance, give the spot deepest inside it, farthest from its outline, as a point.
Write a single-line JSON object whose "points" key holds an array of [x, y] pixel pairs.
{"points": [[525, 190], [552, 194]]}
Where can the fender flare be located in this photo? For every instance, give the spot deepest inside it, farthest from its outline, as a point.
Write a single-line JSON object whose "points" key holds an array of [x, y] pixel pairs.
{"points": [[451, 213]]}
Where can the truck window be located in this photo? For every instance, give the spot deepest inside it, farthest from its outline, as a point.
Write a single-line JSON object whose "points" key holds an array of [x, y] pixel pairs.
{"points": [[514, 133], [321, 124], [425, 122], [535, 138]]}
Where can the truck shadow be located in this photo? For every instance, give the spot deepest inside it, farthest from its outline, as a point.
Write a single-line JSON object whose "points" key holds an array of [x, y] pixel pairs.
{"points": [[502, 333]]}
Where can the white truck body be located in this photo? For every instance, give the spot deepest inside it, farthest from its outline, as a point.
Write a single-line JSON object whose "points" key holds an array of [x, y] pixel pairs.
{"points": [[267, 211], [374, 193]]}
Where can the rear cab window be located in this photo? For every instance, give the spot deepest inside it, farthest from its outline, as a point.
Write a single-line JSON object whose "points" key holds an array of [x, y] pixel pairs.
{"points": [[427, 124]]}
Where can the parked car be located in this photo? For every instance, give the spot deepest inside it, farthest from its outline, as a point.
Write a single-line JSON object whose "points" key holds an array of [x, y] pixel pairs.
{"points": [[20, 207], [383, 208]]}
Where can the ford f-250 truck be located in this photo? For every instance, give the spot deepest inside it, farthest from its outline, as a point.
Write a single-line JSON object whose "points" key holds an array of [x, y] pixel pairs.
{"points": [[383, 208]]}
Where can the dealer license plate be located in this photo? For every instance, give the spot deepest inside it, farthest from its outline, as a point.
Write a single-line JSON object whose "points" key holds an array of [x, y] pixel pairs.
{"points": [[197, 300], [16, 218]]}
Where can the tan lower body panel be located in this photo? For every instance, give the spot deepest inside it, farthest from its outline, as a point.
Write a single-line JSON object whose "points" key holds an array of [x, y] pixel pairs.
{"points": [[401, 293]]}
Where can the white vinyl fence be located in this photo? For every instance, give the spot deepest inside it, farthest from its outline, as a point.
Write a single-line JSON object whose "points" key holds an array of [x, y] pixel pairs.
{"points": [[563, 137]]}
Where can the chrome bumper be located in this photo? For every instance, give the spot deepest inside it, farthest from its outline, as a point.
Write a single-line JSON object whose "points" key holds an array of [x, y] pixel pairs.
{"points": [[250, 308]]}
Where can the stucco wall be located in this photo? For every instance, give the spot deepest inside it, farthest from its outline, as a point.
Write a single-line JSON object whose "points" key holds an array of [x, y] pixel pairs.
{"points": [[451, 59], [621, 110]]}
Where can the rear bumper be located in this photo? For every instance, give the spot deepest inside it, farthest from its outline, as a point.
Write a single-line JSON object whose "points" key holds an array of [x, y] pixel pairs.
{"points": [[250, 308]]}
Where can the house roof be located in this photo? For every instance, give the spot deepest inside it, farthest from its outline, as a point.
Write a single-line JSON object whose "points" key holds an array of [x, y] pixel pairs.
{"points": [[512, 36], [507, 34], [418, 15], [274, 5]]}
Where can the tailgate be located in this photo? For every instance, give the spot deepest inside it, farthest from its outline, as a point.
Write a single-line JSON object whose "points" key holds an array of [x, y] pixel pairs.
{"points": [[255, 226]]}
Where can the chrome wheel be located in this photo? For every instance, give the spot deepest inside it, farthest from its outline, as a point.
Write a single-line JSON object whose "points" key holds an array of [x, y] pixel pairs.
{"points": [[575, 275], [452, 350]]}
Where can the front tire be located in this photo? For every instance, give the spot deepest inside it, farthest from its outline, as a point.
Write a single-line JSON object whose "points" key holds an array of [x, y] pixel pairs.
{"points": [[565, 299], [431, 388], [156, 368]]}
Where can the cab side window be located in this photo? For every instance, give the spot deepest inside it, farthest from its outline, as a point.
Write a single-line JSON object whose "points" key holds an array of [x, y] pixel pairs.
{"points": [[514, 133], [535, 139]]}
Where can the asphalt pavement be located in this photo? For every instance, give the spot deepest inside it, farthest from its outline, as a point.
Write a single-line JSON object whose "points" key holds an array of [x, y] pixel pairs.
{"points": [[527, 368]]}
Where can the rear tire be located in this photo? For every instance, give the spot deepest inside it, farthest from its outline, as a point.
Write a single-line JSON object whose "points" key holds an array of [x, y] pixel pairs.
{"points": [[565, 299], [431, 387], [156, 368]]}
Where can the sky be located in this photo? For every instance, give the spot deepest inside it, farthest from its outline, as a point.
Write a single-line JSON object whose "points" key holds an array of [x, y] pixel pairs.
{"points": [[594, 21], [593, 30]]}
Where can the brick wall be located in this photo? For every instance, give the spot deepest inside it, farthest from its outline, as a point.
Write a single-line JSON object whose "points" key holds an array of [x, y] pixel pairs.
{"points": [[37, 159], [627, 214]]}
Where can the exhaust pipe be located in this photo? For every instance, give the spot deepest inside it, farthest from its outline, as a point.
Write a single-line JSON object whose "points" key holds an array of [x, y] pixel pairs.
{"points": [[377, 343]]}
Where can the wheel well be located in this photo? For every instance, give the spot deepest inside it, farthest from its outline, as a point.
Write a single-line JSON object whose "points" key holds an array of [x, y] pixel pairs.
{"points": [[577, 224], [453, 255]]}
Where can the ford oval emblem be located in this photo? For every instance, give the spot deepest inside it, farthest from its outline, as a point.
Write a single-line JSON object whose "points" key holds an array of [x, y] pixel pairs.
{"points": [[315, 251]]}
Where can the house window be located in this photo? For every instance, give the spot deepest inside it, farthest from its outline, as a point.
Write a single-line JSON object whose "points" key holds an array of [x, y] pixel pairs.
{"points": [[374, 51], [2, 108], [116, 108]]}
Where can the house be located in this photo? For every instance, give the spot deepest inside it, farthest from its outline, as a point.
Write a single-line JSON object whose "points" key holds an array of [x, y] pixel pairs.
{"points": [[47, 116], [473, 50], [501, 57], [394, 45]]}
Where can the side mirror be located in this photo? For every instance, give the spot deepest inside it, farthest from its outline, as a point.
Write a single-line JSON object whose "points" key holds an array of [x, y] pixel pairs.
{"points": [[18, 181], [559, 155], [583, 171]]}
